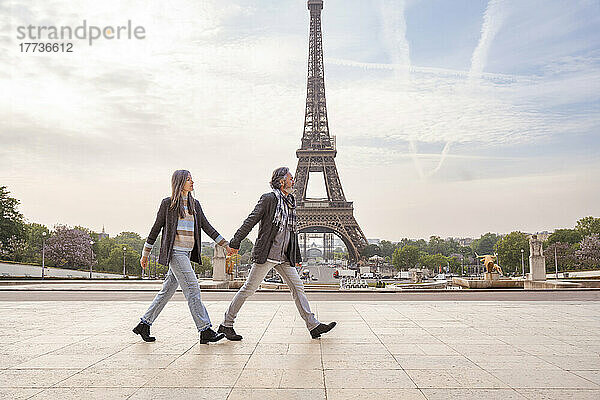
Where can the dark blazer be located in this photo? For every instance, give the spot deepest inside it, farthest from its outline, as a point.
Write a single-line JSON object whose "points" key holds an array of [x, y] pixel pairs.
{"points": [[166, 219], [263, 214]]}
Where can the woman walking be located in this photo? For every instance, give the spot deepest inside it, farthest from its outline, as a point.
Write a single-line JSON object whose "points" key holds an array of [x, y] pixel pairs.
{"points": [[181, 218]]}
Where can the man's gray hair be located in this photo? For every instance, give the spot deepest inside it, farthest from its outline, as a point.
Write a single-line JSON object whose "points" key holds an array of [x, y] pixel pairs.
{"points": [[278, 175]]}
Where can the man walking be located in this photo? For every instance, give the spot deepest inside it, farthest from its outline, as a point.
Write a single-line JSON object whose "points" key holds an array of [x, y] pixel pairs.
{"points": [[276, 247]]}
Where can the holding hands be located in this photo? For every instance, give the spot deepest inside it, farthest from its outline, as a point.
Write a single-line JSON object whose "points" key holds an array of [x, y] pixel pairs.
{"points": [[230, 250]]}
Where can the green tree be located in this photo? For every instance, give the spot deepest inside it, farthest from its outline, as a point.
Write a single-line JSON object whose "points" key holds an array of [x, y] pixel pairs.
{"points": [[570, 236], [205, 268], [130, 239], [509, 251], [206, 263], [455, 264], [132, 261], [485, 244], [405, 257], [421, 244], [207, 251], [588, 226], [434, 262], [12, 226], [387, 248], [370, 250], [437, 245], [466, 252], [34, 236], [452, 245], [103, 248], [246, 246]]}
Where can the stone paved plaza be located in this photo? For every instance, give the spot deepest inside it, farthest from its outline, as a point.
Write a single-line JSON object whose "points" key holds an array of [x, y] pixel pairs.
{"points": [[379, 350]]}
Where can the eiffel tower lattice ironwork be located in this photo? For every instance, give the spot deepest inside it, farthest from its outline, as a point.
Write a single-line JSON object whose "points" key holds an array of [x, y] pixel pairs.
{"points": [[317, 154]]}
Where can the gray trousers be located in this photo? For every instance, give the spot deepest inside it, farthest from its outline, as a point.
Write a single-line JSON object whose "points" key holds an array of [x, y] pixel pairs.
{"points": [[256, 276], [180, 273]]}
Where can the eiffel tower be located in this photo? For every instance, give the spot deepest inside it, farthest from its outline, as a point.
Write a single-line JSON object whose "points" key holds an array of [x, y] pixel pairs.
{"points": [[317, 154]]}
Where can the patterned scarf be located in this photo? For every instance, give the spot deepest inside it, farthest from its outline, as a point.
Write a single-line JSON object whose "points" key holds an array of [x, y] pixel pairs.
{"points": [[285, 213]]}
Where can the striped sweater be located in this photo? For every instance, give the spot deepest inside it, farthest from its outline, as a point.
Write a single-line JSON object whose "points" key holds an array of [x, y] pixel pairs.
{"points": [[184, 238]]}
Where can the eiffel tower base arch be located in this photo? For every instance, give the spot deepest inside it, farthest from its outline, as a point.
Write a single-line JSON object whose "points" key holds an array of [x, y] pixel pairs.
{"points": [[339, 223], [352, 251]]}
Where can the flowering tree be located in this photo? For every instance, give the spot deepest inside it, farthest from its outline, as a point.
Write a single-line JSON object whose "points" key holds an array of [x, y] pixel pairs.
{"points": [[589, 250], [565, 256], [69, 247]]}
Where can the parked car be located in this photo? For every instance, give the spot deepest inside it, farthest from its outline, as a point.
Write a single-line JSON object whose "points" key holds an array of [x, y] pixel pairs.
{"points": [[274, 279]]}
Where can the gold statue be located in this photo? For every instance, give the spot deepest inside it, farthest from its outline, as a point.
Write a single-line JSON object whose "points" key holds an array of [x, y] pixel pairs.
{"points": [[490, 266], [230, 262]]}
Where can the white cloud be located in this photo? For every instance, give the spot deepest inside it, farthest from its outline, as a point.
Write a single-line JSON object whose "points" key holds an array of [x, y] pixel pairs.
{"points": [[492, 21]]}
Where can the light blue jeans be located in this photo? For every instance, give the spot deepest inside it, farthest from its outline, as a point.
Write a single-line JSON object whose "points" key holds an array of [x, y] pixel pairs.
{"points": [[180, 273], [256, 276]]}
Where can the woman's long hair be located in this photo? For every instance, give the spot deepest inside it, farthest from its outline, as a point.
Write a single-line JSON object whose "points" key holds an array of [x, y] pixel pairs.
{"points": [[177, 181]]}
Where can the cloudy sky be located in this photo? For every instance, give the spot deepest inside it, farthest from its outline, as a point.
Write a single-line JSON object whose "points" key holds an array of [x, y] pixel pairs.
{"points": [[452, 118]]}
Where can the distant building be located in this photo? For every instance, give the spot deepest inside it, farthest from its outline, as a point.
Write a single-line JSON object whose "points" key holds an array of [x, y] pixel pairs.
{"points": [[465, 241], [103, 234], [374, 241], [314, 253]]}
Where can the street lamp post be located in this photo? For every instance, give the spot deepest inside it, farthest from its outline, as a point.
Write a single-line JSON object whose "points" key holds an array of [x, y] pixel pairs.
{"points": [[124, 249], [522, 264], [476, 266], [150, 268], [555, 262], [43, 252], [91, 257]]}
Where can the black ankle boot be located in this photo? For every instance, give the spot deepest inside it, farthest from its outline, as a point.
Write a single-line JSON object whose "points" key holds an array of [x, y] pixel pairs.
{"points": [[209, 335], [229, 333], [320, 329], [143, 330]]}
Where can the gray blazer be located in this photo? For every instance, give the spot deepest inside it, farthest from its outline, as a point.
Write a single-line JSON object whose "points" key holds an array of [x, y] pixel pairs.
{"points": [[263, 214], [167, 218]]}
